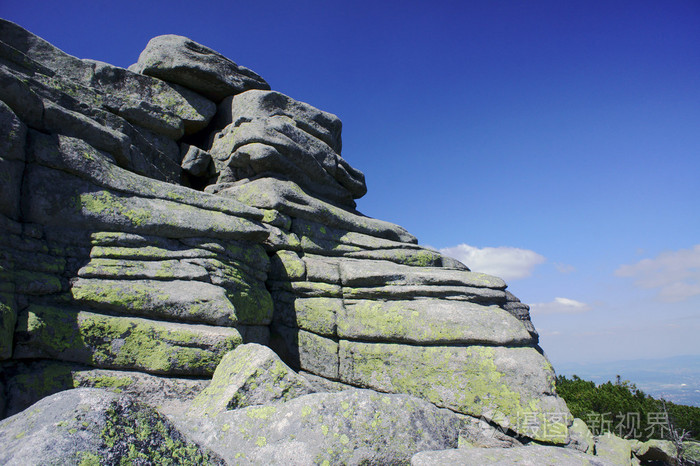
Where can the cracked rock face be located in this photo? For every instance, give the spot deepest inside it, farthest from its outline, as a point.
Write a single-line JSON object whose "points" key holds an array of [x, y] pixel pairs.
{"points": [[156, 218]]}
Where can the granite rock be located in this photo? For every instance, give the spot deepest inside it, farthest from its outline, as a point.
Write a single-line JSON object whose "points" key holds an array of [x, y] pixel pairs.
{"points": [[179, 60]]}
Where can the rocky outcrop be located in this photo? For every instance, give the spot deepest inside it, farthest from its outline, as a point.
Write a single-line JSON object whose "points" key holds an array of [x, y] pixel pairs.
{"points": [[156, 220], [179, 60], [92, 426]]}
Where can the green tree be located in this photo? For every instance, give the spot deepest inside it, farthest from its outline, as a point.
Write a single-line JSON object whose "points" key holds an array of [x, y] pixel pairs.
{"points": [[623, 409]]}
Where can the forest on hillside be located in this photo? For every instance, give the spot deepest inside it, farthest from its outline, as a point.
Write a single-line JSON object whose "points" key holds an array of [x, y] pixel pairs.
{"points": [[621, 408]]}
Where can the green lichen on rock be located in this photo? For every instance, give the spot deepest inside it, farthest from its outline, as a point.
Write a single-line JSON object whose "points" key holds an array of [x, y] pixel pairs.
{"points": [[122, 342], [612, 448], [350, 427], [474, 380], [430, 321], [249, 375], [138, 434], [105, 203], [36, 283], [317, 315], [186, 301]]}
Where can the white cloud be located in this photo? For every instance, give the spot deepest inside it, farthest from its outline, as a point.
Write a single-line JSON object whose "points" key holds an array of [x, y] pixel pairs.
{"points": [[559, 306], [676, 274], [504, 262]]}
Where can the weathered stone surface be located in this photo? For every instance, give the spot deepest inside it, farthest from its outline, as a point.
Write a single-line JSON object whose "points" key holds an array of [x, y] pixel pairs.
{"points": [[288, 198], [477, 432], [307, 289], [204, 252], [581, 437], [93, 426], [29, 382], [307, 351], [19, 97], [485, 296], [238, 153], [329, 239], [613, 449], [55, 198], [8, 318], [322, 269], [655, 450], [266, 104], [185, 301], [153, 104], [78, 158], [13, 134], [250, 375], [121, 342], [287, 265], [11, 173], [196, 161], [430, 321], [534, 455], [140, 99], [37, 54], [691, 451], [317, 315], [355, 273], [350, 427], [180, 60], [112, 262], [504, 385], [131, 269], [521, 311]]}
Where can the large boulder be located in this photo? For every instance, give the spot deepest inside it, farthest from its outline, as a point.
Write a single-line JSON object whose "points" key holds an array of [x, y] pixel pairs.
{"points": [[179, 60], [349, 427], [614, 449], [250, 375], [93, 426]]}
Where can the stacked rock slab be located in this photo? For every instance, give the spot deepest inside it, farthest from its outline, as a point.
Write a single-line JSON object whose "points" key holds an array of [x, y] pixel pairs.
{"points": [[107, 262], [112, 261]]}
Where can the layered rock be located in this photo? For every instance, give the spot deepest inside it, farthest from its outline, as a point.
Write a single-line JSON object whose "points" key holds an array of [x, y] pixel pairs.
{"points": [[155, 219], [107, 261]]}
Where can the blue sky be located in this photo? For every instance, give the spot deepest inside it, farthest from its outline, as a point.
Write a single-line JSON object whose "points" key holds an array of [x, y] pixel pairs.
{"points": [[556, 144]]}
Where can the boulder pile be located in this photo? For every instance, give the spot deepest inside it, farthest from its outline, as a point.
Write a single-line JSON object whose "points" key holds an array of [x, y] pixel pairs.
{"points": [[179, 221]]}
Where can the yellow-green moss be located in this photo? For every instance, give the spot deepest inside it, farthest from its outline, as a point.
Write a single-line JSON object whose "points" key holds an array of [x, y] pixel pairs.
{"points": [[105, 203]]}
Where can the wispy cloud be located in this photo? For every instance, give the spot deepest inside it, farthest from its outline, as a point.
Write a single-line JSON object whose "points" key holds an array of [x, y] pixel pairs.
{"points": [[676, 274], [559, 306], [505, 262]]}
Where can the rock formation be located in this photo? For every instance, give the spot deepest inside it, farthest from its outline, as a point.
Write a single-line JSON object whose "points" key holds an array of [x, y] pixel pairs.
{"points": [[160, 224]]}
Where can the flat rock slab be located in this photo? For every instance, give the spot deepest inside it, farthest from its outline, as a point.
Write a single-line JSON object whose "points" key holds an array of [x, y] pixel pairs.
{"points": [[180, 60], [93, 426], [29, 382], [287, 197], [361, 273], [536, 455], [430, 321], [122, 342], [178, 300], [349, 427]]}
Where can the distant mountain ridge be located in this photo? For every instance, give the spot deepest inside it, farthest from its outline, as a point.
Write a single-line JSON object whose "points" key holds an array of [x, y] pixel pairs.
{"points": [[675, 378]]}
